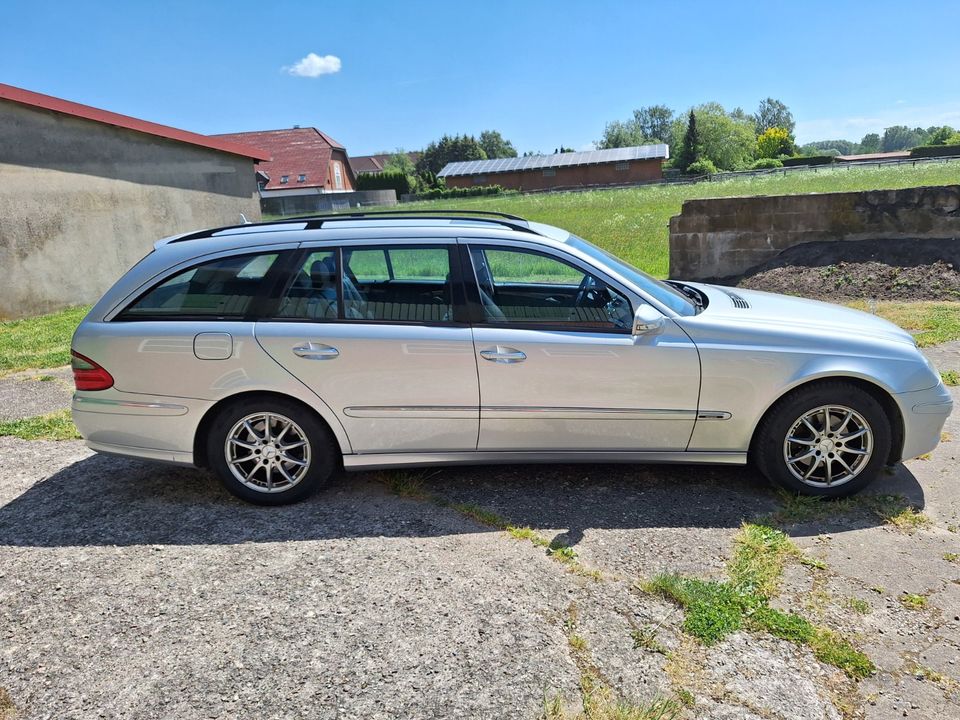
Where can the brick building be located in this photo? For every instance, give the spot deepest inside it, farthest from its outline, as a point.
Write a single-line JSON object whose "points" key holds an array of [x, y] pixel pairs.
{"points": [[618, 166]]}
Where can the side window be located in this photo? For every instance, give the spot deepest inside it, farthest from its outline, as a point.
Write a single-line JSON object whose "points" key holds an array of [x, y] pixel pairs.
{"points": [[312, 294], [528, 287], [220, 288], [402, 283]]}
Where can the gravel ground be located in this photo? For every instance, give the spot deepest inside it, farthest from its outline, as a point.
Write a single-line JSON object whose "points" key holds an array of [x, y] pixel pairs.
{"points": [[134, 590], [35, 392]]}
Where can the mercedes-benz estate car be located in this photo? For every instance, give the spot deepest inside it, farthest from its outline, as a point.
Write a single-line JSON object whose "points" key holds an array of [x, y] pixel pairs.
{"points": [[277, 353]]}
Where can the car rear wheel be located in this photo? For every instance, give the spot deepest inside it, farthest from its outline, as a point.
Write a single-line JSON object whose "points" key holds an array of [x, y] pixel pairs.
{"points": [[271, 451], [830, 439]]}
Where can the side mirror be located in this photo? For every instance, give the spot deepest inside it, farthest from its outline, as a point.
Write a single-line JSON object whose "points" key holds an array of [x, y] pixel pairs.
{"points": [[647, 320]]}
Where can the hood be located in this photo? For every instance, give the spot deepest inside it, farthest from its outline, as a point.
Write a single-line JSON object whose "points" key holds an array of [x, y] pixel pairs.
{"points": [[793, 313]]}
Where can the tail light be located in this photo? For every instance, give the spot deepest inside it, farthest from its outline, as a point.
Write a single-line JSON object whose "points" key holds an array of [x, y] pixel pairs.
{"points": [[87, 375]]}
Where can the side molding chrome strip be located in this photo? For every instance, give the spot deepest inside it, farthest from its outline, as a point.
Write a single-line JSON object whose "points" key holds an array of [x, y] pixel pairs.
{"points": [[386, 460], [413, 411], [125, 407], [713, 415], [504, 412]]}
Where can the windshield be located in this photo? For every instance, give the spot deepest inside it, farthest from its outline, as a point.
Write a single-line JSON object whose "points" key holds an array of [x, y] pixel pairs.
{"points": [[659, 290]]}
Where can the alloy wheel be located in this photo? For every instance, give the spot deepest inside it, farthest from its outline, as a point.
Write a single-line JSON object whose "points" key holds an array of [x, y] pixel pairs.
{"points": [[828, 446], [267, 452]]}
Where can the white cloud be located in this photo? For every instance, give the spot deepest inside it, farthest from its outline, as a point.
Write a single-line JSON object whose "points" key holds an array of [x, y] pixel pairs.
{"points": [[314, 65]]}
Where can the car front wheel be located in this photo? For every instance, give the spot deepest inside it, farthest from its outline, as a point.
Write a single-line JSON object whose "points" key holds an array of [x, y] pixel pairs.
{"points": [[271, 451], [829, 439]]}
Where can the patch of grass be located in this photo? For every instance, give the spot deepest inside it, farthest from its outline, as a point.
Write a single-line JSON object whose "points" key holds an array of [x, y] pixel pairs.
{"points": [[950, 377], [912, 601], [931, 322], [526, 533], [714, 608], [406, 484], [481, 515], [45, 378], [38, 342], [686, 697], [892, 509], [55, 426], [922, 672], [859, 606], [952, 557]]}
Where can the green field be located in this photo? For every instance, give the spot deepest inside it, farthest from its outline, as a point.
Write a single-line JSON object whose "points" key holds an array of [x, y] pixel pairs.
{"points": [[633, 223]]}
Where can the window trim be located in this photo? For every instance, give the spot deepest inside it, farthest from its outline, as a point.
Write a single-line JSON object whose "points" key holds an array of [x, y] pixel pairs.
{"points": [[478, 316]]}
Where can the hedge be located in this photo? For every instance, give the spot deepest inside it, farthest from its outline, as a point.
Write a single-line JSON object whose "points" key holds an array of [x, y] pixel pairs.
{"points": [[808, 160], [458, 192], [387, 180], [935, 151]]}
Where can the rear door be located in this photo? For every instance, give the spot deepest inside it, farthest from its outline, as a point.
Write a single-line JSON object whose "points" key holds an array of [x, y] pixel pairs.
{"points": [[373, 328], [559, 369]]}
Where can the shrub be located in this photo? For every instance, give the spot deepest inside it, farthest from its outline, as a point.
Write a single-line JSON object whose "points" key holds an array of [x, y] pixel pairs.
{"points": [[766, 163], [701, 167], [773, 142]]}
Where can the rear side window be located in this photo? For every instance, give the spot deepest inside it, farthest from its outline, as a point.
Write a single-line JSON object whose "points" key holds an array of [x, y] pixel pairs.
{"points": [[220, 288], [383, 283]]}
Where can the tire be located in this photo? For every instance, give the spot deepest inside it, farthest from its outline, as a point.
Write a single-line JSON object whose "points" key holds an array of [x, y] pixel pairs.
{"points": [[836, 458], [291, 462]]}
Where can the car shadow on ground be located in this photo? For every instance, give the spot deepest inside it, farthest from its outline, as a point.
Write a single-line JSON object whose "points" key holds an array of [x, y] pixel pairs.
{"points": [[108, 501]]}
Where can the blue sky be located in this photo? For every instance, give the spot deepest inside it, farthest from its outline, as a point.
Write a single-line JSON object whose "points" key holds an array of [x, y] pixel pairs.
{"points": [[541, 72]]}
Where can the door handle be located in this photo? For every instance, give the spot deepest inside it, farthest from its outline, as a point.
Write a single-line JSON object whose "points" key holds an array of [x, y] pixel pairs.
{"points": [[504, 355], [315, 351]]}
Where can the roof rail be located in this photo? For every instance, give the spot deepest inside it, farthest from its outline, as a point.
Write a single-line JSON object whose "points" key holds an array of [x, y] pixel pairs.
{"points": [[316, 222]]}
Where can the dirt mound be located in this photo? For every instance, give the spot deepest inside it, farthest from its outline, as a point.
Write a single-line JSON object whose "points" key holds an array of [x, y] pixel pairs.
{"points": [[887, 269]]}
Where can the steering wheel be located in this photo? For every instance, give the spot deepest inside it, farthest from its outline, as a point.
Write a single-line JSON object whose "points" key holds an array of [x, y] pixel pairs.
{"points": [[586, 292]]}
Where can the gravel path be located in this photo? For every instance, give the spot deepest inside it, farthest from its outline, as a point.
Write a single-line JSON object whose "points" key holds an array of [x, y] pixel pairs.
{"points": [[35, 392]]}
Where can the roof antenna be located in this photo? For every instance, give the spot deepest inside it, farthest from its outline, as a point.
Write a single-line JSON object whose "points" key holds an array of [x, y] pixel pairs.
{"points": [[244, 219]]}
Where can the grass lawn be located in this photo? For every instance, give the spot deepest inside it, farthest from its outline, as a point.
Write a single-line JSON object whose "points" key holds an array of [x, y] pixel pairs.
{"points": [[38, 342], [633, 223], [55, 426]]}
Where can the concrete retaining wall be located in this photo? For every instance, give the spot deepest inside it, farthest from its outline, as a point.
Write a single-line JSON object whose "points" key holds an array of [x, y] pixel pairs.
{"points": [[325, 202], [726, 237], [81, 201]]}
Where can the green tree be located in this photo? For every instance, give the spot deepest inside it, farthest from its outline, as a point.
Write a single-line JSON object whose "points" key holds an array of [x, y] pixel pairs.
{"points": [[900, 137], [620, 134], [773, 113], [691, 148], [653, 123], [869, 144], [775, 142], [939, 135], [448, 149], [728, 143], [563, 149], [495, 146], [400, 161], [843, 147]]}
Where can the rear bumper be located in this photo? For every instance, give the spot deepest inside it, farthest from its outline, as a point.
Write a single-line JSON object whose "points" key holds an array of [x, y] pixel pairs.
{"points": [[142, 426], [924, 413]]}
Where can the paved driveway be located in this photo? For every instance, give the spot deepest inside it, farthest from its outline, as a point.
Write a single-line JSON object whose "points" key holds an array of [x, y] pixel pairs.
{"points": [[131, 590]]}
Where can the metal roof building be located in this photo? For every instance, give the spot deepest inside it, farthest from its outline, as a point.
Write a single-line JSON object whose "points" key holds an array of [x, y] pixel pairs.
{"points": [[617, 166]]}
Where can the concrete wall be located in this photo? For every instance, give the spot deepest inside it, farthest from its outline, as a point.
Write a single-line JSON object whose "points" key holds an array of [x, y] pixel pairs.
{"points": [[81, 201], [324, 202], [726, 237], [637, 171]]}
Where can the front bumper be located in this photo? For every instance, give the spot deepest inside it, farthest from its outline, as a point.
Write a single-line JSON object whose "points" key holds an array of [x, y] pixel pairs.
{"points": [[924, 413]]}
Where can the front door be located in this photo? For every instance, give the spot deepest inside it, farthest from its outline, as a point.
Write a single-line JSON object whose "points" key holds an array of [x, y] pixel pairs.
{"points": [[559, 369], [371, 330]]}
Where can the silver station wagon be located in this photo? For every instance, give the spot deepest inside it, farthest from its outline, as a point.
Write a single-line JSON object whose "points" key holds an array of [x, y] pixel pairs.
{"points": [[277, 353]]}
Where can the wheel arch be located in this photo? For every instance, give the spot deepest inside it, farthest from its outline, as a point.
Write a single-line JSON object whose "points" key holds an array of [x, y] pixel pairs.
{"points": [[876, 390], [200, 458]]}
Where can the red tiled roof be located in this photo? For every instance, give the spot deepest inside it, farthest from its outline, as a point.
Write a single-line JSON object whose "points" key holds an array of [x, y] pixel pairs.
{"points": [[48, 102], [295, 151]]}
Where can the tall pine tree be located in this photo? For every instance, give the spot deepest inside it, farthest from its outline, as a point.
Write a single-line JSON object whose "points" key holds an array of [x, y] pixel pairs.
{"points": [[692, 149]]}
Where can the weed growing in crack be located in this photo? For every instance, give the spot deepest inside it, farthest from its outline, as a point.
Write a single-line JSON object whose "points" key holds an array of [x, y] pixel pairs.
{"points": [[892, 509], [912, 601], [714, 609]]}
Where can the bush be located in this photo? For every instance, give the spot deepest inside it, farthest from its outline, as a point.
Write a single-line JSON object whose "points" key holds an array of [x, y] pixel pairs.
{"points": [[775, 141], [766, 164], [387, 180], [808, 160], [938, 150], [701, 167], [458, 192]]}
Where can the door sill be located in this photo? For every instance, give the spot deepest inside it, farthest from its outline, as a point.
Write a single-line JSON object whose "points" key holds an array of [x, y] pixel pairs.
{"points": [[387, 460]]}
